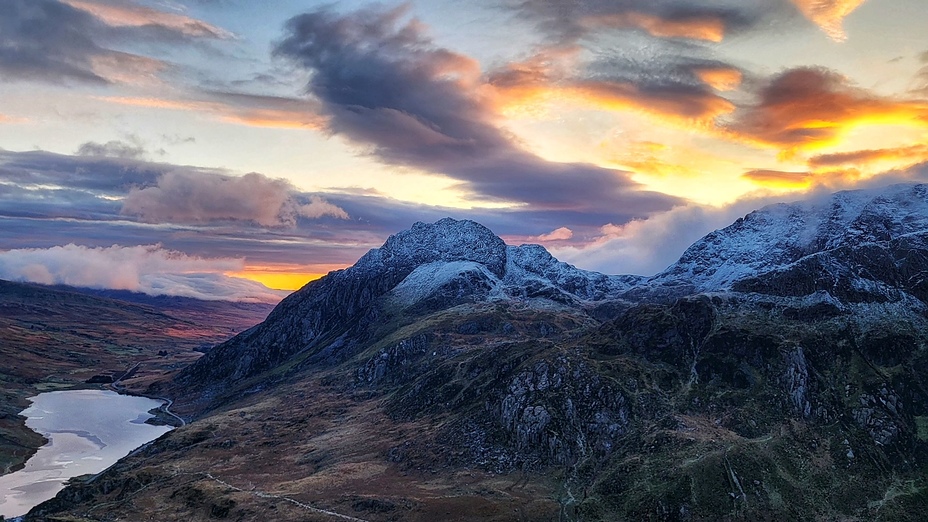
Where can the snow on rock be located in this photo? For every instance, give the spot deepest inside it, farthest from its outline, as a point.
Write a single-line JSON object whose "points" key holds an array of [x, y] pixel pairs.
{"points": [[533, 264], [446, 240], [777, 237], [453, 258], [457, 276]]}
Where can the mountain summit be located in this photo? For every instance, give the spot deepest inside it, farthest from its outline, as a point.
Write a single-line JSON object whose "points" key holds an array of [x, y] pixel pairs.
{"points": [[782, 357]]}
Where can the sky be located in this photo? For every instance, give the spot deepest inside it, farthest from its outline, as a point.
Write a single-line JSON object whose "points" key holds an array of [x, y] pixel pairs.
{"points": [[229, 149]]}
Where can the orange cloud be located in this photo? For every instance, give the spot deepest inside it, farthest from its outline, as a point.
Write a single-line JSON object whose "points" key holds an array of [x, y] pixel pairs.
{"points": [[695, 27], [5, 118], [720, 78], [777, 179], [693, 105], [560, 234], [288, 114], [808, 109], [136, 16], [517, 84], [910, 155], [556, 235], [647, 157], [127, 68], [828, 14]]}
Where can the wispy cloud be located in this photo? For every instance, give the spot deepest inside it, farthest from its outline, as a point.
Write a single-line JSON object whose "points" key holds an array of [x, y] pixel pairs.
{"points": [[909, 155], [7, 119], [709, 27], [802, 180], [129, 14], [238, 108], [569, 20], [131, 149], [828, 14]]}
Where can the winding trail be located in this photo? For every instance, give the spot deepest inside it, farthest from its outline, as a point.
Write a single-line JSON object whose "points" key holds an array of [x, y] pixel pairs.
{"points": [[261, 494], [166, 408]]}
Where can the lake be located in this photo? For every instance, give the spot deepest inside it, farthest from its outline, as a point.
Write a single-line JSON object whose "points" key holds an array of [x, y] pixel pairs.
{"points": [[88, 431]]}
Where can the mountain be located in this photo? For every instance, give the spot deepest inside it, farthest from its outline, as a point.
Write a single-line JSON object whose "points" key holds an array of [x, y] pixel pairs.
{"points": [[422, 270], [58, 338], [859, 247], [777, 371]]}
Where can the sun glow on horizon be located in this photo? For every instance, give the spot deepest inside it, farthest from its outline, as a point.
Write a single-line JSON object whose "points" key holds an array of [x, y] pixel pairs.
{"points": [[283, 277]]}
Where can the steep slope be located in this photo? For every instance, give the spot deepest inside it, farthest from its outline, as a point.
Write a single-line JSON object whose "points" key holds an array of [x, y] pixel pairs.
{"points": [[447, 376]]}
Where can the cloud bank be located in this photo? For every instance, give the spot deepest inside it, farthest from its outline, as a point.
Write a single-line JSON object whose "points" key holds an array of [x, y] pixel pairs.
{"points": [[149, 269], [189, 198]]}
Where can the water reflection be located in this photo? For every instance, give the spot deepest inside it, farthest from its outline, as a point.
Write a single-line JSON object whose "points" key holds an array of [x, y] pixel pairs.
{"points": [[88, 430]]}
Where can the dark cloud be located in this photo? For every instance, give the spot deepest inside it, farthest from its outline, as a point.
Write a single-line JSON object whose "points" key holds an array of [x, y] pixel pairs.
{"points": [[49, 200], [191, 198], [49, 41], [132, 149], [383, 83], [98, 174], [78, 41], [570, 20], [652, 57]]}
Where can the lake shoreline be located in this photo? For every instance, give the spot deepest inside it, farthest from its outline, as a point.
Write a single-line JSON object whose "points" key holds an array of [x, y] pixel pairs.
{"points": [[78, 444]]}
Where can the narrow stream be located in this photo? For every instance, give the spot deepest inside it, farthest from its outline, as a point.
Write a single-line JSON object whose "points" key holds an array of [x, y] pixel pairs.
{"points": [[88, 431]]}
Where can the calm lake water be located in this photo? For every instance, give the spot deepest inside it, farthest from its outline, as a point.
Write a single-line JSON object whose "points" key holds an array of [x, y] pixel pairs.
{"points": [[88, 430]]}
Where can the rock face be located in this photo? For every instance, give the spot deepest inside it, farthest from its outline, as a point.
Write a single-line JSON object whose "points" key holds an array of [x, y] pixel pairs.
{"points": [[777, 371]]}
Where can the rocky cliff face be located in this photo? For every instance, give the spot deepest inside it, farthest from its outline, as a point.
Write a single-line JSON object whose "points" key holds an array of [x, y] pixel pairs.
{"points": [[777, 371], [423, 269]]}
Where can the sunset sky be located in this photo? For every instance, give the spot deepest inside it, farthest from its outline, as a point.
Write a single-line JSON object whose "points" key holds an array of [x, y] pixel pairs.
{"points": [[196, 147]]}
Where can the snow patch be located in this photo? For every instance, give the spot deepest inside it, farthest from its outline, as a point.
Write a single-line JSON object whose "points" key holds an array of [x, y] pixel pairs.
{"points": [[427, 279]]}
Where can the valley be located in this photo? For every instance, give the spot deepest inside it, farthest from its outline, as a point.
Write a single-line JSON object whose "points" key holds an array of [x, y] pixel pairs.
{"points": [[59, 338]]}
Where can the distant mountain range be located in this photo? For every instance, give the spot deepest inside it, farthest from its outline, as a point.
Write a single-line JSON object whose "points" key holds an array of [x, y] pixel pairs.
{"points": [[777, 371]]}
